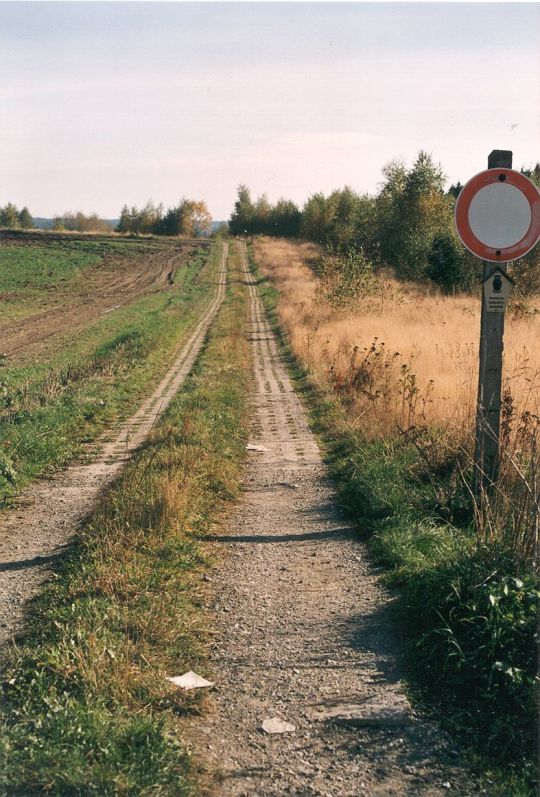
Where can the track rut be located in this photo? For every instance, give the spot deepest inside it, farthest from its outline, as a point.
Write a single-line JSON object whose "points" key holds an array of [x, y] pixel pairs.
{"points": [[113, 283]]}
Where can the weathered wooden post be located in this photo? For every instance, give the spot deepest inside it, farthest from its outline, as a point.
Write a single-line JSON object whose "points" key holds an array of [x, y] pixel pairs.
{"points": [[498, 220], [488, 407]]}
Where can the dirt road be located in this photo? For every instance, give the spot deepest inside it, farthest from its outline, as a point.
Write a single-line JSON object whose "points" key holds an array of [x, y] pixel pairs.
{"points": [[304, 631], [34, 534]]}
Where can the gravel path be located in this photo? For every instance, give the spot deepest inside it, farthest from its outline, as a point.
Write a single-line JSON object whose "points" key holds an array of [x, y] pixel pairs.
{"points": [[304, 632], [35, 533]]}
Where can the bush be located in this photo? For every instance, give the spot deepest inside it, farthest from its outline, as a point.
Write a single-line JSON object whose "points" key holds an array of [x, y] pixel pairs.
{"points": [[450, 266], [346, 277]]}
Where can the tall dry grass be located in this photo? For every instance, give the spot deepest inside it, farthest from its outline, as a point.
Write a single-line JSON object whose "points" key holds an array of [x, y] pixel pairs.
{"points": [[405, 356], [404, 353]]}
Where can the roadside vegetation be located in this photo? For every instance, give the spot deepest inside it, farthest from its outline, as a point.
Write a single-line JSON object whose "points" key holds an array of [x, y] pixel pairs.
{"points": [[50, 406], [86, 708], [408, 226], [390, 368]]}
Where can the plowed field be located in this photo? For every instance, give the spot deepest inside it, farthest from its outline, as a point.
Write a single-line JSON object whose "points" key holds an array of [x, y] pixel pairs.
{"points": [[37, 314]]}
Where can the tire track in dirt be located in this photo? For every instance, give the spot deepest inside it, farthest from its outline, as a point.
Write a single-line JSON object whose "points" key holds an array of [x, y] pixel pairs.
{"points": [[304, 627], [36, 532], [114, 283]]}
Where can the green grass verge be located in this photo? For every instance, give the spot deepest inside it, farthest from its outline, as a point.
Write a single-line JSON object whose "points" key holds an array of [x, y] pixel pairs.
{"points": [[86, 708], [48, 410], [469, 611]]}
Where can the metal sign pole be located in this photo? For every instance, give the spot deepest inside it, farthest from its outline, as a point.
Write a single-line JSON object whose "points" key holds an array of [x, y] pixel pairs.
{"points": [[488, 412]]}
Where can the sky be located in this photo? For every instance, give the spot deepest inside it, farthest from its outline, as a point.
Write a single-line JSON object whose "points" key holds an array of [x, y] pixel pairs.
{"points": [[106, 103]]}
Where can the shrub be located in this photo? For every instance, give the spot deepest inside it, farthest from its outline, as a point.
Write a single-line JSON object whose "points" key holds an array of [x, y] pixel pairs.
{"points": [[450, 266], [346, 277]]}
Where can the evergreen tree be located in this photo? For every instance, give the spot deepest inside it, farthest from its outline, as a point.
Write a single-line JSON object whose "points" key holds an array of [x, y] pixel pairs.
{"points": [[449, 266], [171, 222], [285, 219], [25, 219], [533, 174], [241, 221], [455, 190], [124, 224]]}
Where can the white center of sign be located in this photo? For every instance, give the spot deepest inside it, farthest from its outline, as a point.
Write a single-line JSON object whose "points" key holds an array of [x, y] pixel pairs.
{"points": [[499, 215]]}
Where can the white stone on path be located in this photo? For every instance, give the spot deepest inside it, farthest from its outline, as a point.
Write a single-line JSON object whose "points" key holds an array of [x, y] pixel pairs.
{"points": [[190, 680], [275, 725]]}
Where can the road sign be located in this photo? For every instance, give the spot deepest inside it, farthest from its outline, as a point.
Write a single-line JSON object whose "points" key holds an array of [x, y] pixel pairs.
{"points": [[498, 215]]}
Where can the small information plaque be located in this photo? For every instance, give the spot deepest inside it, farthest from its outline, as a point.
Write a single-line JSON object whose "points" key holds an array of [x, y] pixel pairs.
{"points": [[497, 290]]}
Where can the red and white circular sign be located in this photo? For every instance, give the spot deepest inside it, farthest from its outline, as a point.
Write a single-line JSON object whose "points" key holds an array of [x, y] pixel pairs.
{"points": [[498, 215]]}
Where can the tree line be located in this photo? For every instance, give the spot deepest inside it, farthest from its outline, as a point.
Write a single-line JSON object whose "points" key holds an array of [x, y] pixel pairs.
{"points": [[190, 218], [81, 222], [407, 225], [13, 218], [261, 218]]}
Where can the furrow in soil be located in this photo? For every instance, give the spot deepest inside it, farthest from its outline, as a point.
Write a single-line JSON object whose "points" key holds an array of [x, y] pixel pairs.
{"points": [[35, 533], [303, 630]]}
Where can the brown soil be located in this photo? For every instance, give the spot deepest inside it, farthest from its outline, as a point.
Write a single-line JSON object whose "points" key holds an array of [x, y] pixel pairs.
{"points": [[36, 532], [304, 629], [115, 282]]}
